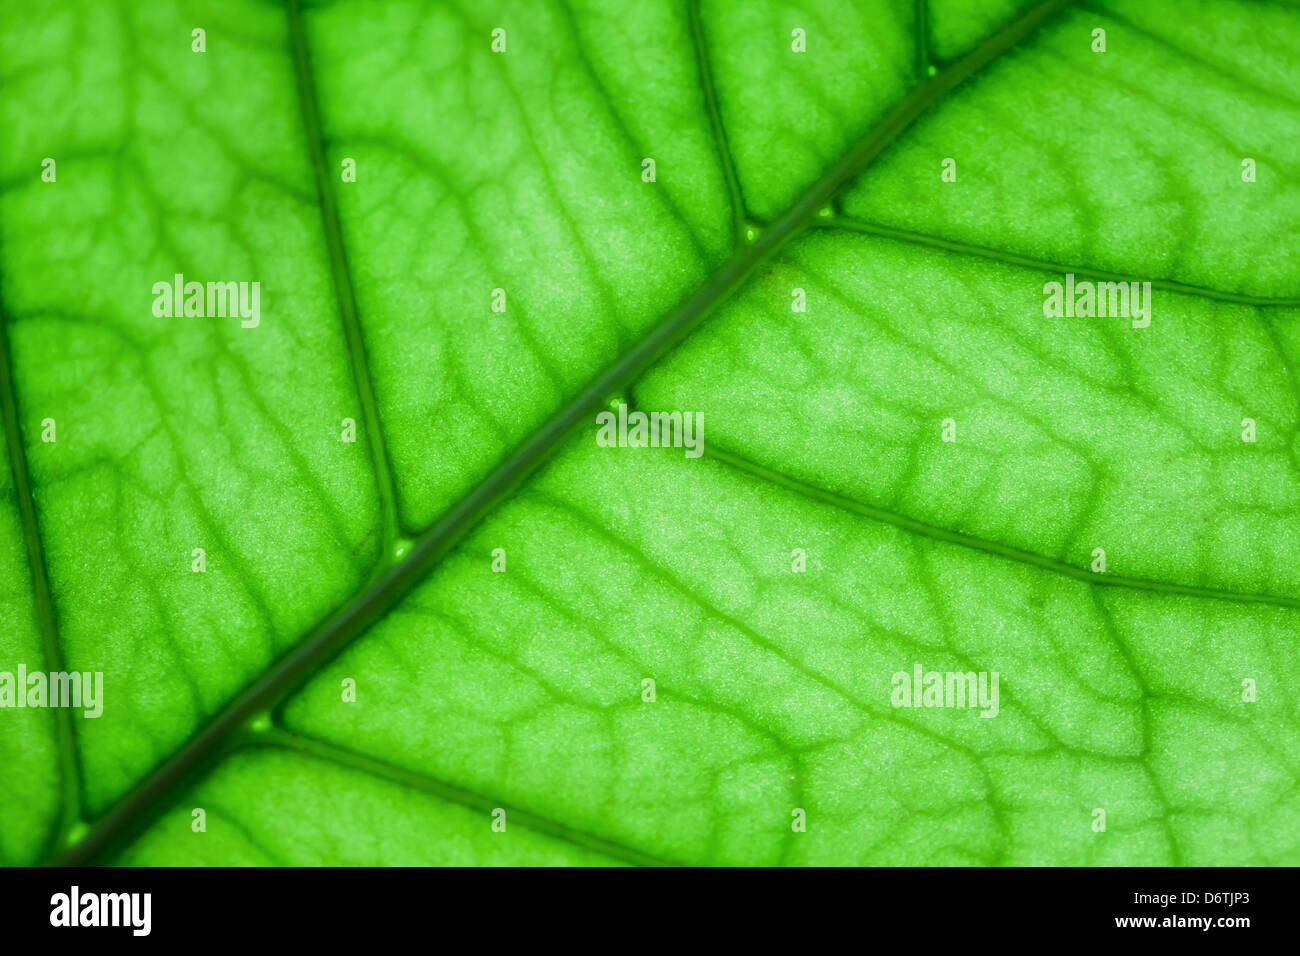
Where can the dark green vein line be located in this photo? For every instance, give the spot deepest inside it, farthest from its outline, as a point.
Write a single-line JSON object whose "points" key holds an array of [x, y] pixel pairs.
{"points": [[1011, 258], [725, 158], [921, 528], [331, 636], [372, 766], [342, 277], [921, 24], [69, 774]]}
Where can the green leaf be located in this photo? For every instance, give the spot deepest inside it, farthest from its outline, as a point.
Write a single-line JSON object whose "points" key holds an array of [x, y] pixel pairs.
{"points": [[518, 695]]}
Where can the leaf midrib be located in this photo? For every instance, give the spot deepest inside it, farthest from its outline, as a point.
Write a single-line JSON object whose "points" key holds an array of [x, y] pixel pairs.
{"points": [[131, 813]]}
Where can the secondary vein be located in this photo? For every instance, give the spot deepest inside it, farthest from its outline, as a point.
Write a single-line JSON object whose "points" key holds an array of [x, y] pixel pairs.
{"points": [[725, 157], [275, 737], [1009, 552], [342, 277], [69, 775], [1011, 258], [921, 24]]}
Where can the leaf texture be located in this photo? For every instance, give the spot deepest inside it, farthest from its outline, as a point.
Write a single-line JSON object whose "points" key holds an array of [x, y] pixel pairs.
{"points": [[520, 693]]}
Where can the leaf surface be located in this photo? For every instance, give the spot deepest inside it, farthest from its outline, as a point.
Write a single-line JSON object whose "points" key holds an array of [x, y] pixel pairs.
{"points": [[521, 692]]}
